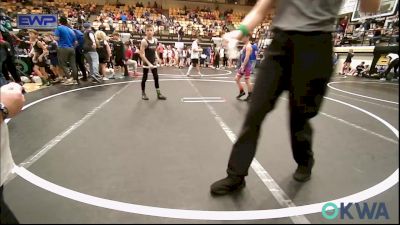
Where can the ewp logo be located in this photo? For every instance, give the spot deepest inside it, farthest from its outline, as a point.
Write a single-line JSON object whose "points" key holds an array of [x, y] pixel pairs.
{"points": [[377, 211], [37, 21]]}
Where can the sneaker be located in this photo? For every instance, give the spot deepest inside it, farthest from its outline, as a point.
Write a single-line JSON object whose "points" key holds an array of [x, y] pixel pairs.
{"points": [[68, 82], [303, 173], [161, 97], [382, 79], [144, 97], [45, 83], [201, 75], [248, 99], [96, 78], [105, 78], [242, 93], [83, 79], [227, 185], [57, 80]]}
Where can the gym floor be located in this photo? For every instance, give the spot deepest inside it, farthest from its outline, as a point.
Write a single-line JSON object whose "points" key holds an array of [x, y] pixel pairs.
{"points": [[100, 154]]}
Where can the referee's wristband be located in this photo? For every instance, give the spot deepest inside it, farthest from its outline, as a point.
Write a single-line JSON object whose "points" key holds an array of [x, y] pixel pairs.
{"points": [[243, 28]]}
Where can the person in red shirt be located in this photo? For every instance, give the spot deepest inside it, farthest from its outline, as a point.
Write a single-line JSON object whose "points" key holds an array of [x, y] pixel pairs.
{"points": [[129, 60], [343, 24], [160, 51]]}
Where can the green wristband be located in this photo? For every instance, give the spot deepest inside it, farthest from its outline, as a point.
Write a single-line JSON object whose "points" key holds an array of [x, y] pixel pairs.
{"points": [[243, 28]]}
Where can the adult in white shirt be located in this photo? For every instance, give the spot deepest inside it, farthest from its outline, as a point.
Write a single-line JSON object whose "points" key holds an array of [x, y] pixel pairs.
{"points": [[11, 103], [393, 63], [221, 54], [195, 55]]}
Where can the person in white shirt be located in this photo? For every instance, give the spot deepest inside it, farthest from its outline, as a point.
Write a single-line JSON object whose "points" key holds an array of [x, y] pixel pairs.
{"points": [[195, 55], [393, 63], [222, 56], [11, 103]]}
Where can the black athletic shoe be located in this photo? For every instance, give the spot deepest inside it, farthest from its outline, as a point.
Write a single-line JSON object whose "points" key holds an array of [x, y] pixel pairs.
{"points": [[303, 173], [227, 185], [144, 97], [242, 93], [161, 97]]}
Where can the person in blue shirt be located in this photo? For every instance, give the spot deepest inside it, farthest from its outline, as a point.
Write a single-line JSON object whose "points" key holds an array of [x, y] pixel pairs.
{"points": [[66, 50], [253, 57], [123, 18], [208, 54]]}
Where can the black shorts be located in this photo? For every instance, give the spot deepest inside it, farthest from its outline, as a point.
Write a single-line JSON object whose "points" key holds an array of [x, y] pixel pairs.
{"points": [[54, 61], [119, 62], [40, 64], [103, 60], [195, 62]]}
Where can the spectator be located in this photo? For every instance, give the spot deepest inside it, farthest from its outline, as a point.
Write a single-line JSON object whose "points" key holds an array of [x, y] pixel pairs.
{"points": [[9, 65], [123, 18], [79, 57], [66, 52], [393, 63], [335, 58], [90, 53], [104, 51], [343, 24], [377, 36], [365, 71], [216, 58], [128, 58], [118, 53], [359, 69], [5, 52], [38, 54], [347, 62], [52, 49], [253, 57], [180, 33]]}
